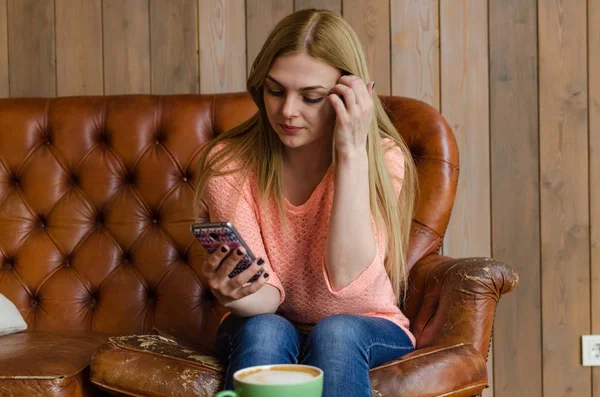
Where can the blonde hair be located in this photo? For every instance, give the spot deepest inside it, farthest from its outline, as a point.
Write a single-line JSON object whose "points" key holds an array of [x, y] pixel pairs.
{"points": [[326, 36]]}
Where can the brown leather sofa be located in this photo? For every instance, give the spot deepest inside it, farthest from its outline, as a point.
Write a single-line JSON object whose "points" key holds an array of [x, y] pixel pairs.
{"points": [[95, 214]]}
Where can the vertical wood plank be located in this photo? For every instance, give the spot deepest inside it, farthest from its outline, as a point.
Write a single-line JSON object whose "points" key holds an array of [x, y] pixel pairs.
{"points": [[4, 88], [261, 18], [416, 50], [515, 157], [222, 46], [370, 20], [332, 5], [594, 133], [79, 47], [126, 47], [564, 196], [465, 104], [174, 46], [31, 54]]}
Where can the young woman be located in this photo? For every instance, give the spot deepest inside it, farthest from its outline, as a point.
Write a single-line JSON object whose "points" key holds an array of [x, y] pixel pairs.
{"points": [[321, 187]]}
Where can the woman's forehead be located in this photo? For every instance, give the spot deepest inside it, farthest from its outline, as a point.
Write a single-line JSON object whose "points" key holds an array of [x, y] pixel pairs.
{"points": [[301, 70]]}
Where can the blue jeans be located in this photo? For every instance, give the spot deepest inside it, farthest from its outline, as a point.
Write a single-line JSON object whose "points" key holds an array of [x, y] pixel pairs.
{"points": [[344, 346]]}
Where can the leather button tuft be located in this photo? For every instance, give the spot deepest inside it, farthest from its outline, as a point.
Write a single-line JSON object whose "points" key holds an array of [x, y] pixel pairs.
{"points": [[35, 302], [42, 222], [130, 178], [151, 300], [100, 218], [75, 180], [105, 139], [66, 263], [15, 181], [154, 220], [9, 263]]}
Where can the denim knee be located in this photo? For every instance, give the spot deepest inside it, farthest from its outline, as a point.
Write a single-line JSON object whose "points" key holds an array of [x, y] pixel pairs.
{"points": [[337, 328], [337, 334], [268, 336]]}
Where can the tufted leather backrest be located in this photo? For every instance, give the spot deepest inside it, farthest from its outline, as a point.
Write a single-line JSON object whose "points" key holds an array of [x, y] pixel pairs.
{"points": [[95, 206], [435, 153]]}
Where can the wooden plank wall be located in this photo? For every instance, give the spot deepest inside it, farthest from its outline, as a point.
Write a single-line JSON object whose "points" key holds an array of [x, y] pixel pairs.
{"points": [[3, 50], [594, 135], [515, 203], [516, 79], [564, 193]]}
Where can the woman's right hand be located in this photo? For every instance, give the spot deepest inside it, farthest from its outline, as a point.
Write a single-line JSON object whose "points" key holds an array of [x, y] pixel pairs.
{"points": [[217, 267]]}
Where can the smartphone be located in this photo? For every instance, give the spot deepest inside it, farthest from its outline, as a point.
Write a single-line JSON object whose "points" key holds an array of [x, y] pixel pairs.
{"points": [[212, 235]]}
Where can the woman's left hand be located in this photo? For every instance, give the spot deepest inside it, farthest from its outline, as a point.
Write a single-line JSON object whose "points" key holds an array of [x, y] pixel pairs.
{"points": [[353, 115]]}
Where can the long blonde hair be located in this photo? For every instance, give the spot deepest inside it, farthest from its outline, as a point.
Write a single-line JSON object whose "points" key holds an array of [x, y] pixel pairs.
{"points": [[256, 147]]}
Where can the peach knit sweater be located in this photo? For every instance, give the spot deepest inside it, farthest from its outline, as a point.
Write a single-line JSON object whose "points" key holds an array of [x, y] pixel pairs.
{"points": [[294, 251]]}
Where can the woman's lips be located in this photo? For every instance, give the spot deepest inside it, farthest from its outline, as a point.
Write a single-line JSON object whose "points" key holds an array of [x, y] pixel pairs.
{"points": [[288, 129]]}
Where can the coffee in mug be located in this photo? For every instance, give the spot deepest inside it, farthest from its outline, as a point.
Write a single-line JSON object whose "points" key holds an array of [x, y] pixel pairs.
{"points": [[282, 380]]}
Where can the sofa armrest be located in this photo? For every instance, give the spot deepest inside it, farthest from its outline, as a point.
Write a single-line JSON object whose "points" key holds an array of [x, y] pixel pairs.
{"points": [[453, 301], [449, 370]]}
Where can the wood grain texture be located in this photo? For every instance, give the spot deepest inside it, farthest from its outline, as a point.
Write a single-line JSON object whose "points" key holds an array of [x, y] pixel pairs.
{"points": [[332, 5], [222, 46], [126, 47], [370, 20], [594, 133], [565, 238], [31, 54], [4, 87], [79, 47], [515, 157], [416, 50], [174, 47], [261, 18], [465, 104]]}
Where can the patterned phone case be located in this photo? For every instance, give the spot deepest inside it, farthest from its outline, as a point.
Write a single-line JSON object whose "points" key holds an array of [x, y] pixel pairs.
{"points": [[212, 235]]}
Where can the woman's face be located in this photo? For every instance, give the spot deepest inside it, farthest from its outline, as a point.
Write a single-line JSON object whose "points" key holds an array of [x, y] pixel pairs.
{"points": [[295, 95]]}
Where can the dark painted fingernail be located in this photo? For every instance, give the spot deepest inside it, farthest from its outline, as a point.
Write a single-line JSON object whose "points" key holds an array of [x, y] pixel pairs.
{"points": [[223, 249], [373, 85], [266, 275], [260, 262], [239, 252]]}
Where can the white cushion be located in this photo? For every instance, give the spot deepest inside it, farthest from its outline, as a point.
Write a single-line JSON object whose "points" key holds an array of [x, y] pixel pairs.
{"points": [[11, 320]]}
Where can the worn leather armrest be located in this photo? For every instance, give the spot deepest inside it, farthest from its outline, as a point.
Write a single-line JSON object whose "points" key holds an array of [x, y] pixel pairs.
{"points": [[446, 370], [454, 301]]}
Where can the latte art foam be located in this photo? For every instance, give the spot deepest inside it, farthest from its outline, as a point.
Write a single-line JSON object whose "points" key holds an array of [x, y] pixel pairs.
{"points": [[277, 377]]}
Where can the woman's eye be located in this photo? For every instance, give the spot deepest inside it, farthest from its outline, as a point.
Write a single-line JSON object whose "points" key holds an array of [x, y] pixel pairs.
{"points": [[312, 100], [274, 92]]}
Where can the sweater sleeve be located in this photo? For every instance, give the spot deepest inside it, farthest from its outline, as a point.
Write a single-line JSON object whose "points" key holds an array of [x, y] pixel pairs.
{"points": [[375, 271], [229, 200]]}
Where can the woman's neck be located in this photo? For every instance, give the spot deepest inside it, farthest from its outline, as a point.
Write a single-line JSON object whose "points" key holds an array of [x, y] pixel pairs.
{"points": [[309, 159]]}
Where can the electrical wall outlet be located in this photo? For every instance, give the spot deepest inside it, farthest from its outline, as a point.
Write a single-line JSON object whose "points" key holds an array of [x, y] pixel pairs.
{"points": [[590, 350]]}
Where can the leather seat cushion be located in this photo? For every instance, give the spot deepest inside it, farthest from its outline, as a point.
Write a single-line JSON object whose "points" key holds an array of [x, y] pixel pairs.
{"points": [[153, 365], [48, 363], [157, 365]]}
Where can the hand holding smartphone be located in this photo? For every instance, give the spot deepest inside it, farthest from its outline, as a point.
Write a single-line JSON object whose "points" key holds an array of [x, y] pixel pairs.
{"points": [[213, 235]]}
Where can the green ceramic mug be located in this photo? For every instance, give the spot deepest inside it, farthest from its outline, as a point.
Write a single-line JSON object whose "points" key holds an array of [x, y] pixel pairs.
{"points": [[282, 380]]}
